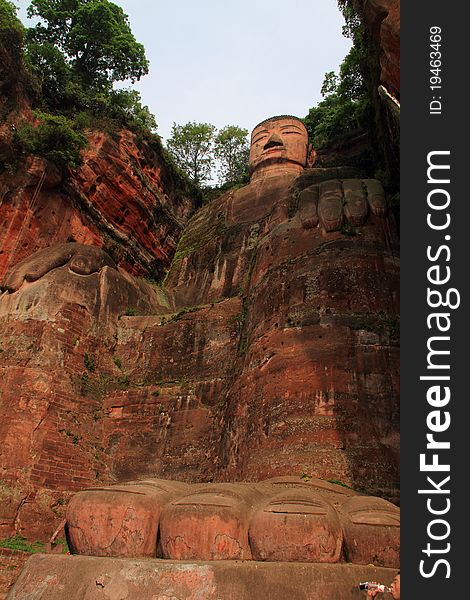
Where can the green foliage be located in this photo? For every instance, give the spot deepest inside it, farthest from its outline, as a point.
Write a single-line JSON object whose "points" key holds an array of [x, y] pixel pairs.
{"points": [[64, 544], [191, 146], [8, 16], [123, 381], [231, 149], [353, 26], [95, 38], [18, 542], [196, 149], [338, 482], [8, 19], [11, 29], [75, 53], [345, 108], [184, 311], [335, 117], [89, 362], [330, 84], [48, 64], [127, 103], [54, 138]]}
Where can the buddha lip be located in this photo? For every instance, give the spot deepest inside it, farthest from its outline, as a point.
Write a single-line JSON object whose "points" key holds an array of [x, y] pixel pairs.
{"points": [[273, 148]]}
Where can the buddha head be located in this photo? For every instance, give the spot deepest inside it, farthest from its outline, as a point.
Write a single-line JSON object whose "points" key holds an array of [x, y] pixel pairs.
{"points": [[279, 145]]}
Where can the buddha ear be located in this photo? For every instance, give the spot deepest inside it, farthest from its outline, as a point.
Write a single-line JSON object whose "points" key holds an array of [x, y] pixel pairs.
{"points": [[311, 156]]}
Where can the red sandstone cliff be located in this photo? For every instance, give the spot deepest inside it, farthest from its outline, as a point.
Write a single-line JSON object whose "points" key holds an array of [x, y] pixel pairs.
{"points": [[382, 21], [270, 350], [123, 198]]}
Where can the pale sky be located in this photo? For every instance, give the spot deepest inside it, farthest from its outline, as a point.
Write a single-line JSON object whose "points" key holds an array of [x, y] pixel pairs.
{"points": [[232, 62]]}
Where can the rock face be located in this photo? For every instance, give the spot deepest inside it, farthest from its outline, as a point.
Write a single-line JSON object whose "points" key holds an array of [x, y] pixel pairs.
{"points": [[78, 577], [58, 299], [382, 20], [270, 350], [123, 199]]}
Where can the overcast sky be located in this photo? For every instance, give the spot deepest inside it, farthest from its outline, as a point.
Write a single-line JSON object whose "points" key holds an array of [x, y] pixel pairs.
{"points": [[233, 62]]}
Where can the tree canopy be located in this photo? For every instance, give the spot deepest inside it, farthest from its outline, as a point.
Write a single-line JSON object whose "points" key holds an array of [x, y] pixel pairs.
{"points": [[94, 37], [11, 29], [69, 61], [191, 146], [231, 149], [345, 107], [199, 150]]}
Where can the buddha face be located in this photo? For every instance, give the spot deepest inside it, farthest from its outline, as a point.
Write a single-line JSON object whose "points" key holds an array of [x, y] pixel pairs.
{"points": [[279, 145]]}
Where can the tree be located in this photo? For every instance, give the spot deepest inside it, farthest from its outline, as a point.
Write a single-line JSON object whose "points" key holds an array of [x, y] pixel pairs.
{"points": [[232, 150], [191, 146], [345, 108], [128, 103], [94, 37], [11, 30], [55, 138], [48, 63], [330, 84]]}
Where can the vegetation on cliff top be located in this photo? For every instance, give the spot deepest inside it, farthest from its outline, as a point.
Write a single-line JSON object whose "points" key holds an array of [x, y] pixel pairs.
{"points": [[11, 30], [55, 137], [350, 111], [69, 62], [90, 41], [345, 109]]}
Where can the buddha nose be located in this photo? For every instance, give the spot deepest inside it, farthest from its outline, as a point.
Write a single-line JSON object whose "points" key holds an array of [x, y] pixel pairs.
{"points": [[274, 140]]}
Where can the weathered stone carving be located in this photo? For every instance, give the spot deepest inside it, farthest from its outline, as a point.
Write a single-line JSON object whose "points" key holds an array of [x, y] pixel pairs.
{"points": [[283, 519], [269, 349], [120, 520], [279, 145], [72, 273], [81, 260]]}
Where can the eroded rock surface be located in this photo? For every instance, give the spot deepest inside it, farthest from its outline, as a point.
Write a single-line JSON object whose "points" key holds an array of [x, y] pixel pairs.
{"points": [[382, 18], [123, 198], [320, 297], [281, 520], [270, 350], [78, 577]]}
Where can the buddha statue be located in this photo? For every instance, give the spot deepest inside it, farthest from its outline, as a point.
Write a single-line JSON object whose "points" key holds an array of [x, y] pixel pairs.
{"points": [[280, 145]]}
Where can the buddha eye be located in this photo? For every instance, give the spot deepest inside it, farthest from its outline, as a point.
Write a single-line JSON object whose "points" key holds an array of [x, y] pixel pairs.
{"points": [[258, 139], [296, 132]]}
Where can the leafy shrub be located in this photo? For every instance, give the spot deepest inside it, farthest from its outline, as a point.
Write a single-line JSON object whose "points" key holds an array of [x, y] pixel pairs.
{"points": [[126, 103], [336, 117], [55, 138], [47, 64], [18, 542]]}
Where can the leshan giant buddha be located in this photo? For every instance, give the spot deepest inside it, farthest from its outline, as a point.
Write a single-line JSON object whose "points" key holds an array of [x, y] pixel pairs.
{"points": [[279, 145], [269, 351]]}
